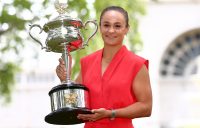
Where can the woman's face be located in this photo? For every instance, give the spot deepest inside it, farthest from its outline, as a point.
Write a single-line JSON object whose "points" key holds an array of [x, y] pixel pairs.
{"points": [[113, 27]]}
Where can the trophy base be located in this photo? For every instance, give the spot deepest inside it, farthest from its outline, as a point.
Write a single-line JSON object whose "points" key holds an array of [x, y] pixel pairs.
{"points": [[66, 116]]}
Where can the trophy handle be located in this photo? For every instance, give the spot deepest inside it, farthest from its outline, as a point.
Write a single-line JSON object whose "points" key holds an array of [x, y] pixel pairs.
{"points": [[96, 28], [32, 26]]}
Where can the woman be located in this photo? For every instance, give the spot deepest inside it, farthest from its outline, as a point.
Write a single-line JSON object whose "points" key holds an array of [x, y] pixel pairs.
{"points": [[118, 79]]}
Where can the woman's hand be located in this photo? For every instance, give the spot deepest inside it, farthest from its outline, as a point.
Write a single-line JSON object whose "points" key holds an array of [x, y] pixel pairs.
{"points": [[97, 115], [61, 70]]}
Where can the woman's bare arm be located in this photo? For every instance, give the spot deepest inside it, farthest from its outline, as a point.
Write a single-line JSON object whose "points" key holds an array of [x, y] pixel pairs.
{"points": [[142, 90]]}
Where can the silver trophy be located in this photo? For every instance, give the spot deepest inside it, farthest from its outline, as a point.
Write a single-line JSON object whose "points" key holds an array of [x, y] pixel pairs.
{"points": [[68, 99]]}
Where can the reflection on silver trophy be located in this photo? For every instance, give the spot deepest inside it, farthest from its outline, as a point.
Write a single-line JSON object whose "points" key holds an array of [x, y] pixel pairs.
{"points": [[67, 99]]}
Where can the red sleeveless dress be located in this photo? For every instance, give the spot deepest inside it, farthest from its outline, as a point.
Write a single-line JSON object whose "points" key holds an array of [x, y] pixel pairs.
{"points": [[112, 90]]}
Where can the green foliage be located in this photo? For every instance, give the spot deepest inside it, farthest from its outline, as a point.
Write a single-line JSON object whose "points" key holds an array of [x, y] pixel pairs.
{"points": [[7, 79], [22, 3], [11, 43]]}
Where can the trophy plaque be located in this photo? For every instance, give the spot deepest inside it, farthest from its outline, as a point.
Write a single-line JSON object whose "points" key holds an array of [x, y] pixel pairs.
{"points": [[68, 99]]}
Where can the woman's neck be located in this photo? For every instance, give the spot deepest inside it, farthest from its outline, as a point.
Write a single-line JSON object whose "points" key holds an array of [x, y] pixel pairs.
{"points": [[109, 52]]}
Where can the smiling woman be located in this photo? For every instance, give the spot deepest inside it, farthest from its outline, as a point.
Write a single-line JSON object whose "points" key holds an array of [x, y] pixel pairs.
{"points": [[113, 28], [111, 71]]}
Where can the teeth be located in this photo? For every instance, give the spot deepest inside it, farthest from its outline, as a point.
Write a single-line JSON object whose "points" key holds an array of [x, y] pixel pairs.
{"points": [[110, 36]]}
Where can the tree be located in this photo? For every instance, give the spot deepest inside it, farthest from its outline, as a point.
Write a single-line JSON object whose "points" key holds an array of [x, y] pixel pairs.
{"points": [[15, 16], [10, 43]]}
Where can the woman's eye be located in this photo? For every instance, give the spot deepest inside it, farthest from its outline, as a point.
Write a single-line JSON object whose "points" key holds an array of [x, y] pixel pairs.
{"points": [[106, 25], [117, 26]]}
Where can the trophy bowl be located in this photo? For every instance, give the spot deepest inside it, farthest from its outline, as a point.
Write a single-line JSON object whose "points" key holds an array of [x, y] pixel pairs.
{"points": [[63, 29]]}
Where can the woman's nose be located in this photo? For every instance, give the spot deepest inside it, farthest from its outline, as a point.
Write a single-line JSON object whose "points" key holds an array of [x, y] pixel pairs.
{"points": [[111, 29]]}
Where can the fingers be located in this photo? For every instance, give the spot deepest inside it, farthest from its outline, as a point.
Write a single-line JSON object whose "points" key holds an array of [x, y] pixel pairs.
{"points": [[61, 70], [61, 66], [61, 61], [100, 110], [97, 114], [86, 117]]}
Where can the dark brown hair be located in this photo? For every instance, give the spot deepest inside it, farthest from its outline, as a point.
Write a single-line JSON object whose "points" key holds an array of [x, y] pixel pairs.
{"points": [[116, 8]]}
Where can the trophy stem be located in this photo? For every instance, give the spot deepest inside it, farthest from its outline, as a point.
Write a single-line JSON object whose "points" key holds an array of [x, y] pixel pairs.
{"points": [[68, 61]]}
